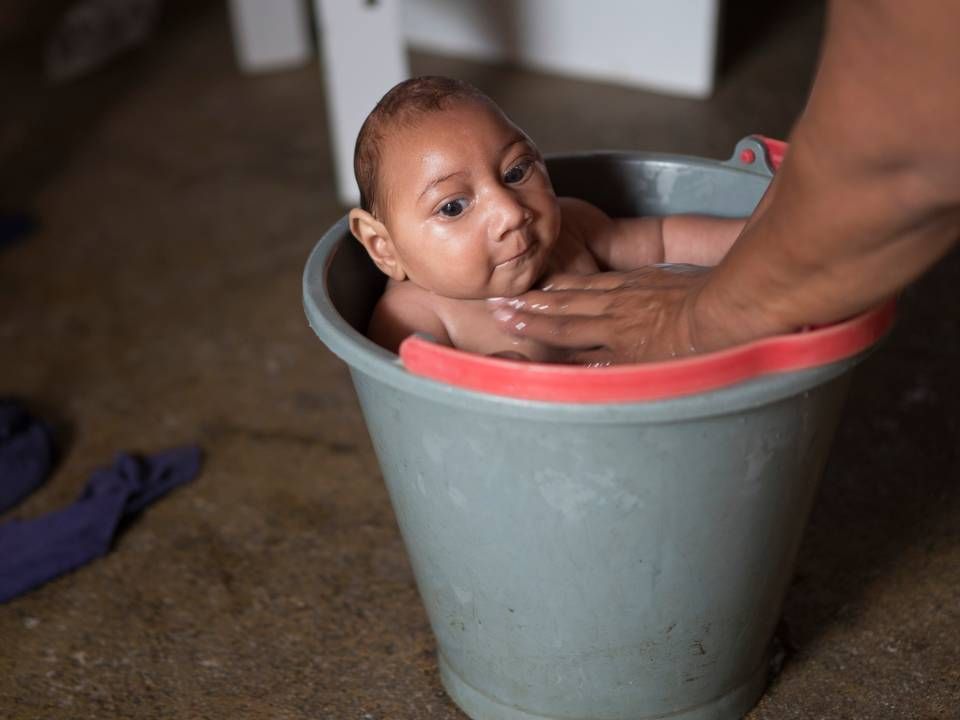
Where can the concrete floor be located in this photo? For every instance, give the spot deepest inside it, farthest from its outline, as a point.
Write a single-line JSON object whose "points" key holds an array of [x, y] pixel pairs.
{"points": [[159, 304]]}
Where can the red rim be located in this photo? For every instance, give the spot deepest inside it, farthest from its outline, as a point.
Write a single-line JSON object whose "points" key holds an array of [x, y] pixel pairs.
{"points": [[648, 381]]}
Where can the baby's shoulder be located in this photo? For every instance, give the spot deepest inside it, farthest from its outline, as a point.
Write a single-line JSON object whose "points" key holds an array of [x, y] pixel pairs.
{"points": [[581, 220], [399, 291], [581, 223], [404, 309], [580, 212]]}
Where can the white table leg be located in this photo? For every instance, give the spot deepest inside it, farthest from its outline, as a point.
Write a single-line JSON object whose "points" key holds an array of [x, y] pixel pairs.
{"points": [[362, 55], [270, 34]]}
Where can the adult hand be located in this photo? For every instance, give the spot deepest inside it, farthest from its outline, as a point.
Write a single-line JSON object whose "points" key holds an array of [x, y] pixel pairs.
{"points": [[641, 315]]}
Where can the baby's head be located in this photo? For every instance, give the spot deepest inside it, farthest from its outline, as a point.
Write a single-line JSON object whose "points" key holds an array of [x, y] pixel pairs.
{"points": [[454, 197]]}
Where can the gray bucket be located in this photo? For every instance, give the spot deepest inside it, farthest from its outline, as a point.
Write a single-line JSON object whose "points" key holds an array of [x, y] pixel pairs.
{"points": [[613, 560]]}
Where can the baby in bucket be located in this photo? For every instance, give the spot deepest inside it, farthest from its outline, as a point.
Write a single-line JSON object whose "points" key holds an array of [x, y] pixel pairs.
{"points": [[456, 208]]}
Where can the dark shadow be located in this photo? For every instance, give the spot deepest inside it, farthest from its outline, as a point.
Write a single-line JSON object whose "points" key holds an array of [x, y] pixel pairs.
{"points": [[44, 121], [890, 489], [745, 24]]}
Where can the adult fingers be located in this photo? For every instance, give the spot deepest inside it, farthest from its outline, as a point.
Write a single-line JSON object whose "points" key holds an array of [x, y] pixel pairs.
{"points": [[577, 332], [598, 281], [553, 302]]}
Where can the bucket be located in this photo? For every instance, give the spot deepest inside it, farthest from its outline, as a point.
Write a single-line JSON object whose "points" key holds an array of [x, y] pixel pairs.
{"points": [[600, 543]]}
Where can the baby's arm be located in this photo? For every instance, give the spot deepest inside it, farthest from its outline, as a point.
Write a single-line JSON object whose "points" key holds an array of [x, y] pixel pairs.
{"points": [[401, 313], [698, 239], [629, 243]]}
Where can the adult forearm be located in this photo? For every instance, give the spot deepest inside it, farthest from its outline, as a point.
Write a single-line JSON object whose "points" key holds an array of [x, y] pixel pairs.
{"points": [[869, 194]]}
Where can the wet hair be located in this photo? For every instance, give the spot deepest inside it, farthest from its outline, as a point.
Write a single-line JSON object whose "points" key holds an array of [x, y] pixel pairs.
{"points": [[402, 105]]}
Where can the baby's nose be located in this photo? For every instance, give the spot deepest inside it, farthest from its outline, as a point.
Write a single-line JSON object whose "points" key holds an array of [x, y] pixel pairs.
{"points": [[509, 213]]}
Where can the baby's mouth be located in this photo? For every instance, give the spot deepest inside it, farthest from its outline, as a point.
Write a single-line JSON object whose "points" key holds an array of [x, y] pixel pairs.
{"points": [[518, 257]]}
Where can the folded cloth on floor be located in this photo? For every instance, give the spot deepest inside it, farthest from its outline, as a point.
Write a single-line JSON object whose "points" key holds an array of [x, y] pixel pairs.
{"points": [[15, 227], [35, 551], [26, 453]]}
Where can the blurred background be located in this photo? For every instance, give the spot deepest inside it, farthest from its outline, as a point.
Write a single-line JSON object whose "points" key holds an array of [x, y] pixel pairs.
{"points": [[161, 186]]}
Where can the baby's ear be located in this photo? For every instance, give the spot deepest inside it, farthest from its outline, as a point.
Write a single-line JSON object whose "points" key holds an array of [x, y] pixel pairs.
{"points": [[375, 238]]}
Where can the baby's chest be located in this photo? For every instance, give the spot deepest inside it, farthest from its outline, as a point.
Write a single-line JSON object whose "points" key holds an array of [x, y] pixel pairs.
{"points": [[570, 257]]}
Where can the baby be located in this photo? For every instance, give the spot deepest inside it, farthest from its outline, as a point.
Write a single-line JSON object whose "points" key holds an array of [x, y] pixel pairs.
{"points": [[456, 207]]}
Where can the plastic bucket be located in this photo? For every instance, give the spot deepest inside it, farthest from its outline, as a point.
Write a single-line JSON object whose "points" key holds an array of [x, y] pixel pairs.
{"points": [[624, 555]]}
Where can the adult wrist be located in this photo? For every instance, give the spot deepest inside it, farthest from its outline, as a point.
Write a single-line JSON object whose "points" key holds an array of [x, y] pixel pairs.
{"points": [[719, 317]]}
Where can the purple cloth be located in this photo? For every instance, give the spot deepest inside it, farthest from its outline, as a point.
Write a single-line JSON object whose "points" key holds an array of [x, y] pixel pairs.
{"points": [[15, 227], [26, 453], [35, 551]]}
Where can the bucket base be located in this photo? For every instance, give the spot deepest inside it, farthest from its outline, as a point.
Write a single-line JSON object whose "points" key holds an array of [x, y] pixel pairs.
{"points": [[479, 706]]}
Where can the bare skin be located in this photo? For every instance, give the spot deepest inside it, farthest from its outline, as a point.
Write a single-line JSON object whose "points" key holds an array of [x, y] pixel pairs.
{"points": [[867, 198], [469, 214]]}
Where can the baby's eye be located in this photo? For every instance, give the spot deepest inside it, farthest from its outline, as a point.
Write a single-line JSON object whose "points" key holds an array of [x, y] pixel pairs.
{"points": [[517, 173], [453, 208]]}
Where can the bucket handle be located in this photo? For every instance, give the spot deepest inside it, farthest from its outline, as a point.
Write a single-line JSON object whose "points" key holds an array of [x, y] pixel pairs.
{"points": [[758, 153]]}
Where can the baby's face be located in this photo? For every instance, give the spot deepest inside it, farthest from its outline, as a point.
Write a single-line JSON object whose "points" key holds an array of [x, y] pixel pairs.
{"points": [[468, 203]]}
